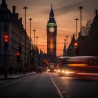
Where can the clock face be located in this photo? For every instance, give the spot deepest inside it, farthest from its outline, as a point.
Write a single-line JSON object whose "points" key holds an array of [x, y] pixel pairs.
{"points": [[51, 29]]}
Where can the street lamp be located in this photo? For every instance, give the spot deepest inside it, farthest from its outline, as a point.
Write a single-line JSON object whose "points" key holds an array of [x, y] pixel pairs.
{"points": [[34, 37], [30, 32], [80, 17], [67, 40], [36, 41], [25, 8], [64, 42], [76, 27]]}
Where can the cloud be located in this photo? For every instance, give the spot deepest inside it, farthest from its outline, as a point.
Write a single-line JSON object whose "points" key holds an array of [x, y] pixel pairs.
{"points": [[68, 8], [63, 8]]}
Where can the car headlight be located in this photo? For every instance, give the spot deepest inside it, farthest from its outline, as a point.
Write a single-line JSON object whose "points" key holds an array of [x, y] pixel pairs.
{"points": [[69, 72], [58, 70], [63, 71]]}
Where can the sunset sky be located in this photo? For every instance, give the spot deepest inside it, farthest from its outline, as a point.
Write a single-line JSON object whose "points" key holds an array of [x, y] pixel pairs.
{"points": [[65, 13]]}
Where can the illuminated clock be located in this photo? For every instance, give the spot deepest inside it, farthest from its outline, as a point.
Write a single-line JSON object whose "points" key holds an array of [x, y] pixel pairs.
{"points": [[51, 29]]}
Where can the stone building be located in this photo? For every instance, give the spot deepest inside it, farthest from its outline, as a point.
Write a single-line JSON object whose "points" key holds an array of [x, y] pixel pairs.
{"points": [[11, 24]]}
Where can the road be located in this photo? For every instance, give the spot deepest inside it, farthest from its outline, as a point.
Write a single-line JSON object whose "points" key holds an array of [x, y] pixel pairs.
{"points": [[77, 88], [33, 86], [49, 85]]}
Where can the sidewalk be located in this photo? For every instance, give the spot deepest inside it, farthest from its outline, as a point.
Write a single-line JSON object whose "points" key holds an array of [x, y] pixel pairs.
{"points": [[14, 76]]}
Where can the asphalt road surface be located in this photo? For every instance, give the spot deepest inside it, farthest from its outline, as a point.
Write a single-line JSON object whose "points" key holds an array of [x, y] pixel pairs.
{"points": [[33, 86], [72, 87], [49, 85]]}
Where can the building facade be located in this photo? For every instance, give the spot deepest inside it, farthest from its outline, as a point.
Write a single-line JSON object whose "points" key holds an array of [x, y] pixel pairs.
{"points": [[11, 24]]}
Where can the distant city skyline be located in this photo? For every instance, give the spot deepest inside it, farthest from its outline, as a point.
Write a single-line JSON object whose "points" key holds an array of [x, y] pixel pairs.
{"points": [[65, 14]]}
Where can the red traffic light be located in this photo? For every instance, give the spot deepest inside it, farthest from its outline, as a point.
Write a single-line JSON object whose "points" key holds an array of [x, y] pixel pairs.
{"points": [[75, 44], [18, 54], [6, 38]]}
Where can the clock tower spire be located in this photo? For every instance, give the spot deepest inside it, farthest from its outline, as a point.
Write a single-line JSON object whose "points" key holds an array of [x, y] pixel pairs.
{"points": [[51, 37], [51, 16], [51, 12]]}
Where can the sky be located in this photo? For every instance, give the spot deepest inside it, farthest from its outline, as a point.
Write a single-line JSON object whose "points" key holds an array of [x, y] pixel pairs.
{"points": [[65, 13]]}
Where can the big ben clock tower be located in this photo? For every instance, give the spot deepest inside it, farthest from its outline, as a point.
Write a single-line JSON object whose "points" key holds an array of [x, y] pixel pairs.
{"points": [[51, 37]]}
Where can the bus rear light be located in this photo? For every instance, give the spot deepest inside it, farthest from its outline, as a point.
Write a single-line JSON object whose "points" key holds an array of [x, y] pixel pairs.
{"points": [[77, 65]]}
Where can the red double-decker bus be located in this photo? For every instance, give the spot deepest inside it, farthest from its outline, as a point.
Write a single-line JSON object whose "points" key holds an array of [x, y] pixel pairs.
{"points": [[78, 66]]}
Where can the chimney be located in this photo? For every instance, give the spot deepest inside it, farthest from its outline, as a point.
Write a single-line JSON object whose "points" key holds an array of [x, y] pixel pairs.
{"points": [[3, 4], [20, 20], [13, 9]]}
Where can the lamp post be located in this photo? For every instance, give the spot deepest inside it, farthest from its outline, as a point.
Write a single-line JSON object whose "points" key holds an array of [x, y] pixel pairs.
{"points": [[30, 41], [64, 42], [67, 40], [25, 8], [34, 37], [30, 32], [36, 41], [76, 43], [80, 17], [76, 27]]}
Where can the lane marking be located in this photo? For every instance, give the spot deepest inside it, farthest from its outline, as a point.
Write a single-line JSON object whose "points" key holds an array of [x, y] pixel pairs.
{"points": [[57, 88]]}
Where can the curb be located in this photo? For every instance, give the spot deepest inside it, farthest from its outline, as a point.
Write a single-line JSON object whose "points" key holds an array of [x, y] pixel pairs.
{"points": [[16, 77]]}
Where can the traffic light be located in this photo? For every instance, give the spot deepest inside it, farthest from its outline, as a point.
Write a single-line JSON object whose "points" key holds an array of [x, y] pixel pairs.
{"points": [[6, 40], [18, 57], [76, 44]]}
